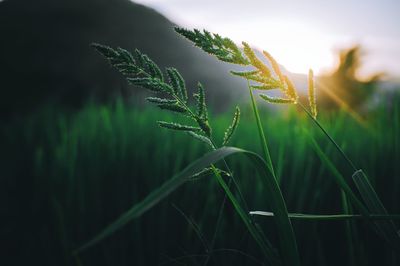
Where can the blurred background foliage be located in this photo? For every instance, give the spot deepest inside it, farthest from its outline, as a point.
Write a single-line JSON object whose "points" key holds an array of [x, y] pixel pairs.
{"points": [[343, 86], [67, 175]]}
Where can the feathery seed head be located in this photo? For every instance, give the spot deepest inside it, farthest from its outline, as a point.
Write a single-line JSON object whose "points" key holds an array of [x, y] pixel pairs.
{"points": [[276, 100], [291, 90], [311, 94], [141, 71], [275, 65], [176, 126], [255, 61], [231, 129]]}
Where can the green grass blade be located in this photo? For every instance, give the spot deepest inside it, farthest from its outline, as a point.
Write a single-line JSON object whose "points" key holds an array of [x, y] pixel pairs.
{"points": [[195, 228], [387, 228], [350, 236], [375, 206], [350, 162], [263, 139], [159, 194], [266, 249], [273, 196], [338, 177]]}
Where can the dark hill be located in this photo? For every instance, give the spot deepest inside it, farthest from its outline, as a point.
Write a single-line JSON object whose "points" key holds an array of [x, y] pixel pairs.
{"points": [[46, 58]]}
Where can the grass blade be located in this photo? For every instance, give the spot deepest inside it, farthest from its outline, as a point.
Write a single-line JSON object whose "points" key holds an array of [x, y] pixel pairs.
{"points": [[350, 236], [266, 249], [338, 177], [273, 195], [385, 228], [159, 194], [375, 206], [260, 130]]}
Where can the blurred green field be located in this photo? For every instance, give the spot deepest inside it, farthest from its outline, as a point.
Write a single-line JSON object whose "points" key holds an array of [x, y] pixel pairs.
{"points": [[66, 175]]}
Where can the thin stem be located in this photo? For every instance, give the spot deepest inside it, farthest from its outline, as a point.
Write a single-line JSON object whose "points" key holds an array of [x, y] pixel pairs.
{"points": [[339, 179], [231, 179], [263, 140], [221, 208], [350, 162], [266, 249], [349, 235]]}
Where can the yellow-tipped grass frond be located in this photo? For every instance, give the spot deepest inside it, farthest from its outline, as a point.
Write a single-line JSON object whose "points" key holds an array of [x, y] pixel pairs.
{"points": [[275, 99], [275, 65], [291, 90], [257, 63], [311, 94]]}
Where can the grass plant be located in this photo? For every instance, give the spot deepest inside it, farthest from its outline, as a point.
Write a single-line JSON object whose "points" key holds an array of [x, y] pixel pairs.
{"points": [[270, 179], [140, 70], [82, 170]]}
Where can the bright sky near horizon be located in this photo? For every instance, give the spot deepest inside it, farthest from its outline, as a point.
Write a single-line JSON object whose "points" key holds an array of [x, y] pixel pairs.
{"points": [[299, 34]]}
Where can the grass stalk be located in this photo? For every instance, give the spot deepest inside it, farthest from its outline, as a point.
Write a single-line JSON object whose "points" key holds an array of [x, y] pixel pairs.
{"points": [[245, 218], [350, 162], [349, 236], [263, 139], [338, 178], [386, 229], [222, 206]]}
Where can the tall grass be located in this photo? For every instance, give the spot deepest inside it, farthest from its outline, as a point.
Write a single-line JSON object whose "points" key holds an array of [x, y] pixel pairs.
{"points": [[66, 176], [265, 79]]}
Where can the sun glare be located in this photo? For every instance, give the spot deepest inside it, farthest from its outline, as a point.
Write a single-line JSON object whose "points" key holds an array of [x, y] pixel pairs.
{"points": [[296, 46]]}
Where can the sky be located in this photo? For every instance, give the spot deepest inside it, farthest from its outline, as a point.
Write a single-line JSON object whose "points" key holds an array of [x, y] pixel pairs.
{"points": [[300, 34]]}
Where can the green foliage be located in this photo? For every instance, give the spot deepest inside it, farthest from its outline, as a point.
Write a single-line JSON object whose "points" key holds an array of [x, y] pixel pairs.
{"points": [[290, 90], [160, 100], [96, 164], [246, 74], [177, 83], [153, 84], [141, 71], [201, 102], [275, 65], [201, 138], [176, 126], [275, 99], [231, 129], [146, 73], [311, 94], [197, 167], [223, 48], [262, 75], [255, 62], [385, 228]]}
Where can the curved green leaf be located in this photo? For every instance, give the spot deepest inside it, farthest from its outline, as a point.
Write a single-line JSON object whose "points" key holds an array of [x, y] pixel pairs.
{"points": [[386, 228], [273, 196]]}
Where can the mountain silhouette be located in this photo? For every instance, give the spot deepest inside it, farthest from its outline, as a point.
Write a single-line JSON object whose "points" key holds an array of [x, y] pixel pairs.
{"points": [[46, 58]]}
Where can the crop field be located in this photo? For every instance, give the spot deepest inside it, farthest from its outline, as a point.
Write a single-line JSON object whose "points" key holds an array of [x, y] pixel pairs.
{"points": [[71, 174]]}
